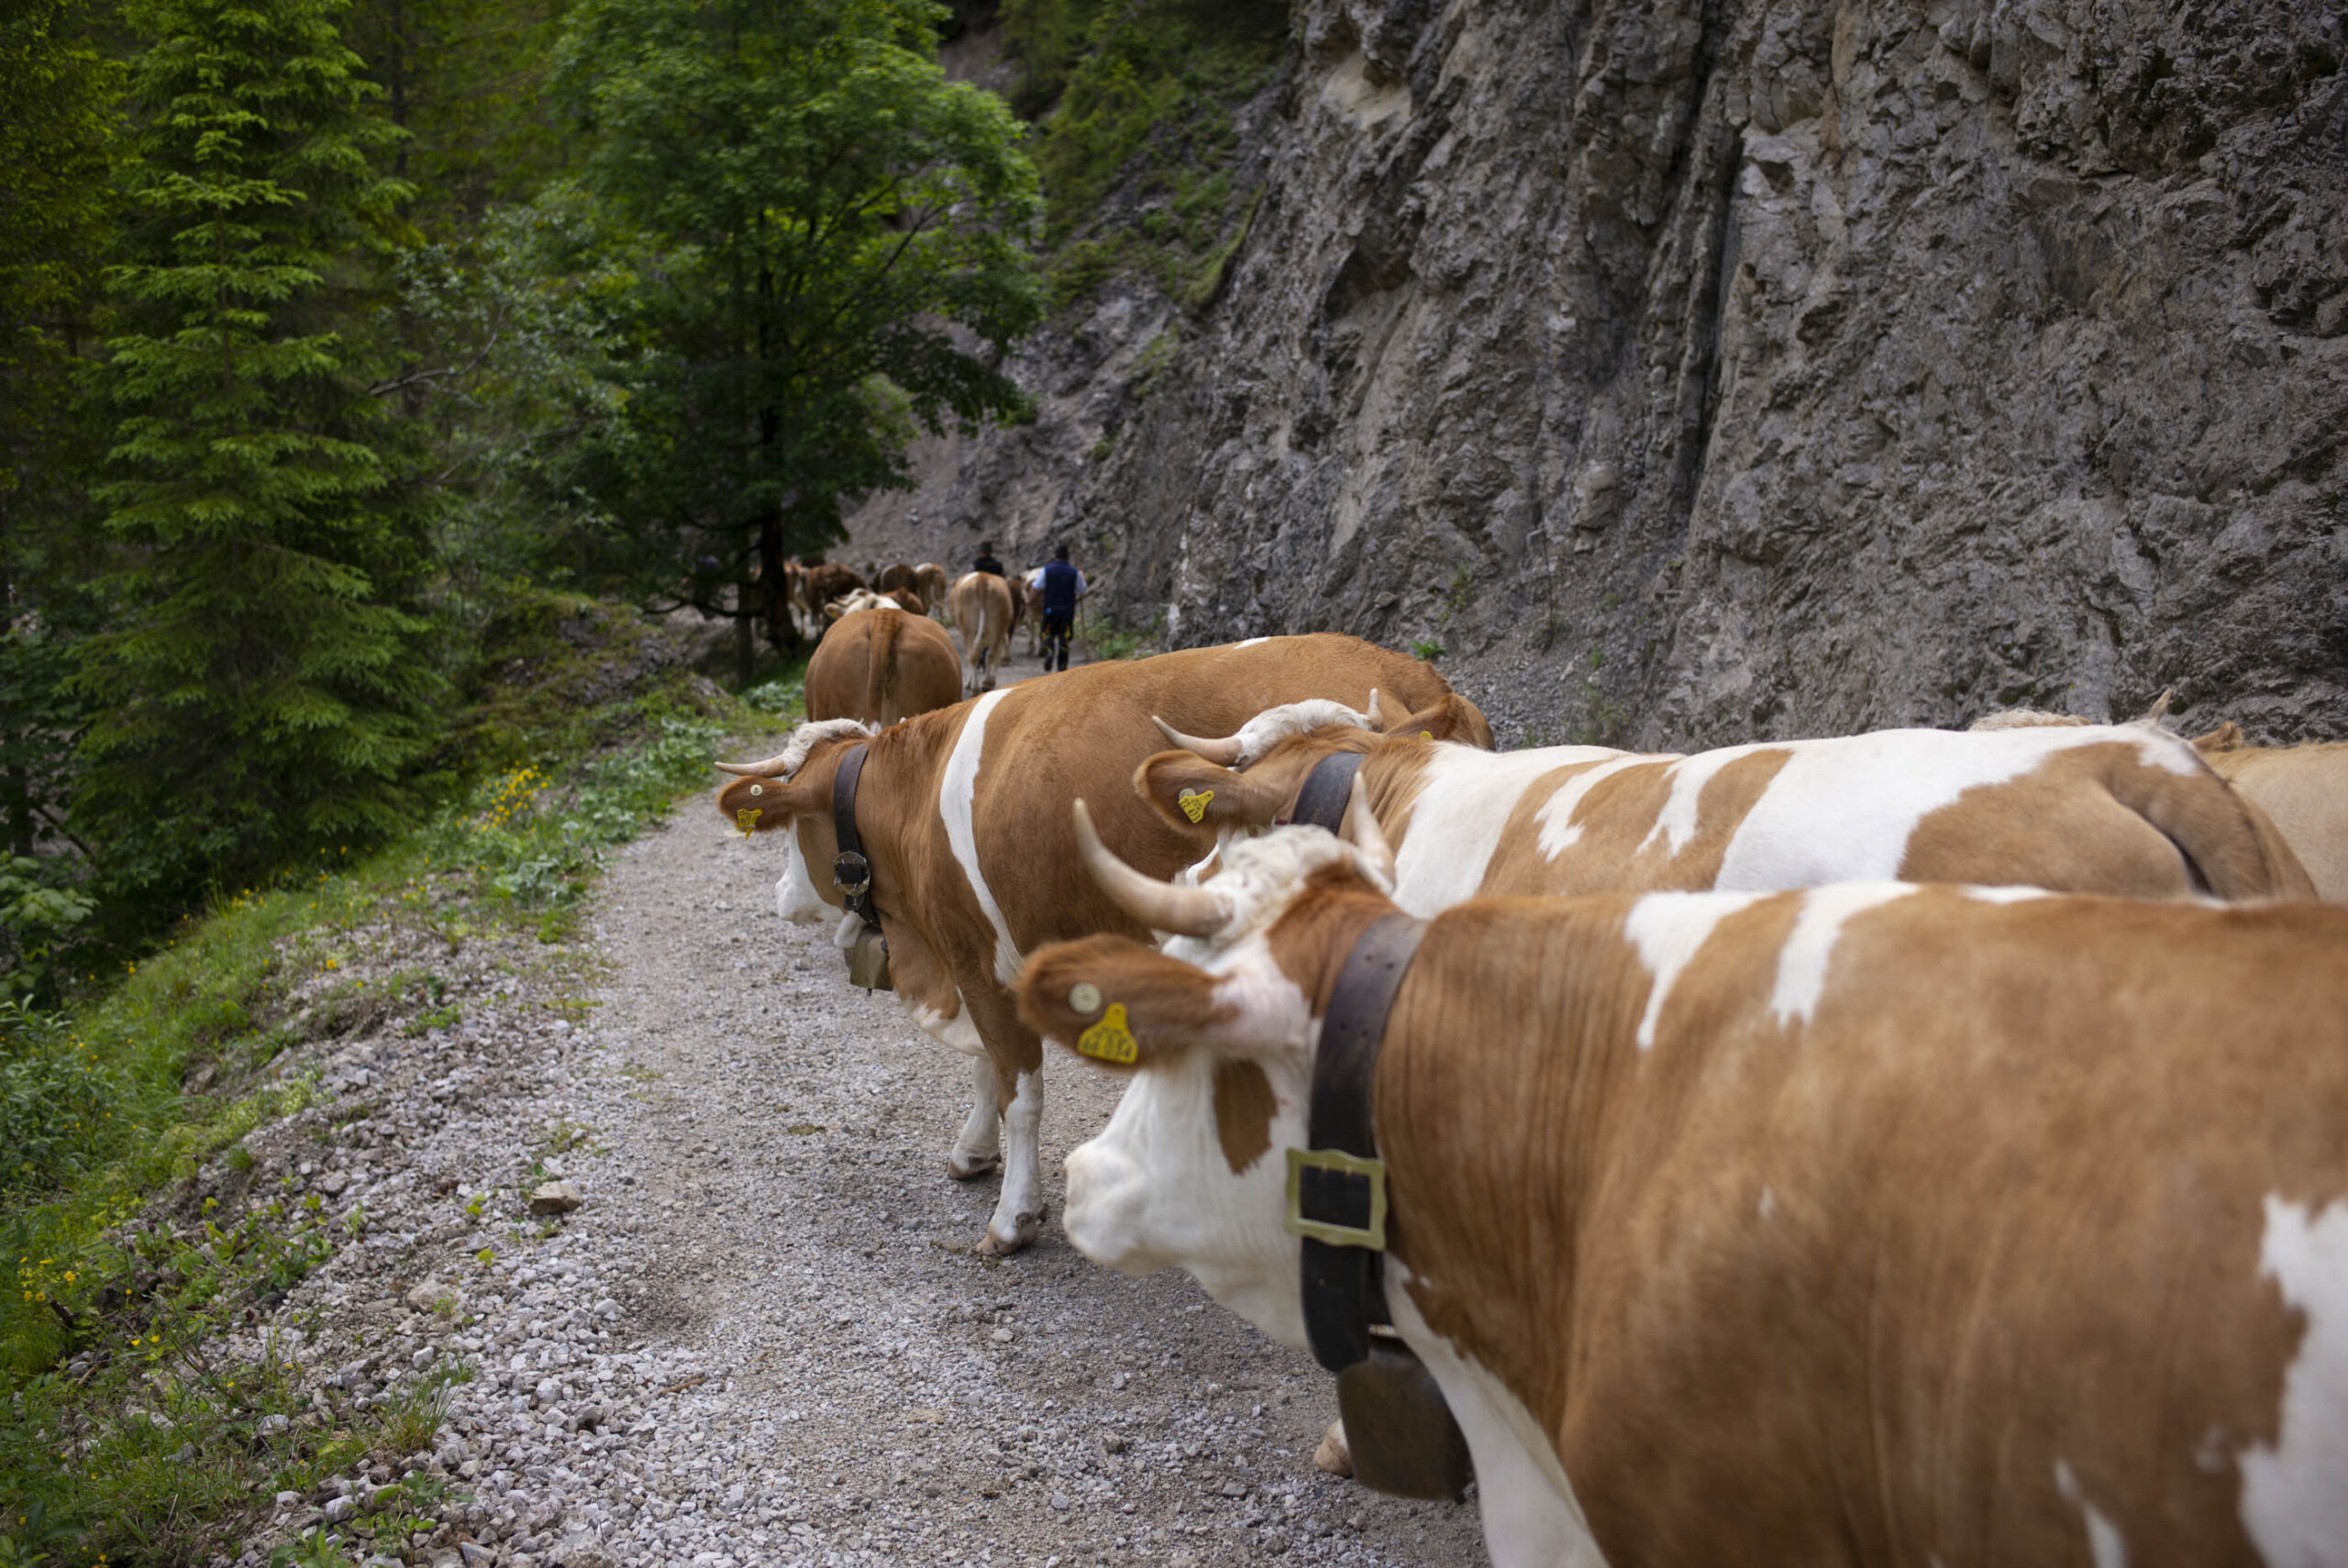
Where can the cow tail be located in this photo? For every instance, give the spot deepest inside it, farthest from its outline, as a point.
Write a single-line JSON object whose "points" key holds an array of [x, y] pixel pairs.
{"points": [[2229, 843], [881, 671]]}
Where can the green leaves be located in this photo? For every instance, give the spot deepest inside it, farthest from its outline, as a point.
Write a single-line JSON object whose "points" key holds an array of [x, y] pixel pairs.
{"points": [[816, 213]]}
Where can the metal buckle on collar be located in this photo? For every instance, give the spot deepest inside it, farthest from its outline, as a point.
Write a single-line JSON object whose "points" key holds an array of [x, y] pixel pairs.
{"points": [[851, 863], [1337, 1162]]}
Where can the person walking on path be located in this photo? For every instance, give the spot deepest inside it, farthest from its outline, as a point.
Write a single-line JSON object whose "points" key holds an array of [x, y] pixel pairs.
{"points": [[985, 561], [1062, 586]]}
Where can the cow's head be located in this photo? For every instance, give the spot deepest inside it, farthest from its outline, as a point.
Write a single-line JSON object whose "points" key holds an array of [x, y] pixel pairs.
{"points": [[1247, 781], [794, 790], [1218, 1029]]}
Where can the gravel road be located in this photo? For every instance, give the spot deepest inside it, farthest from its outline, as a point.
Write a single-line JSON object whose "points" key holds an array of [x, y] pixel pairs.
{"points": [[764, 1338]]}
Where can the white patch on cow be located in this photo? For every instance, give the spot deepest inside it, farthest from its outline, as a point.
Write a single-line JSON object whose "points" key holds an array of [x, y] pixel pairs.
{"points": [[1454, 824], [1768, 1204], [1675, 824], [981, 1138], [1269, 728], [1250, 642], [808, 737], [1532, 1518], [1559, 832], [1260, 877], [2003, 895], [1199, 871], [1844, 810], [1667, 929], [795, 897], [2294, 1506], [1153, 1190], [955, 795], [957, 1031], [1810, 947], [2104, 1547], [1019, 1208]]}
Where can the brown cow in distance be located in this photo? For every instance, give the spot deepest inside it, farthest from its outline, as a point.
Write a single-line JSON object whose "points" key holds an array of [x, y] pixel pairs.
{"points": [[819, 585], [981, 606], [963, 815], [899, 575], [1868, 1226], [932, 583], [880, 666]]}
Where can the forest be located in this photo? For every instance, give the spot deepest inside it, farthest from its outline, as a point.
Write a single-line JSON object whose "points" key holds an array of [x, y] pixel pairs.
{"points": [[378, 381], [339, 337]]}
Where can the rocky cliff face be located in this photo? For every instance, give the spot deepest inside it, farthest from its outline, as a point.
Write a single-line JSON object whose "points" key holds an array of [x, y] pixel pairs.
{"points": [[1695, 372]]}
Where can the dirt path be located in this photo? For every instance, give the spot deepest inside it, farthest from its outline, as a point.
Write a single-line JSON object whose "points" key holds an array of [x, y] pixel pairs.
{"points": [[777, 1147]]}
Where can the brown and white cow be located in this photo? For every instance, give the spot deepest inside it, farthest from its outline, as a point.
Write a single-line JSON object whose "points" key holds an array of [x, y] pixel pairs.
{"points": [[1871, 1224], [981, 605], [963, 814], [2303, 790], [882, 664], [2107, 809]]}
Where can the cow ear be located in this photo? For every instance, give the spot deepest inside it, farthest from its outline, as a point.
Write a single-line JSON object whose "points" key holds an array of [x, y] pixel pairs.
{"points": [[2225, 737], [761, 805], [1454, 718], [1191, 791], [1120, 1002]]}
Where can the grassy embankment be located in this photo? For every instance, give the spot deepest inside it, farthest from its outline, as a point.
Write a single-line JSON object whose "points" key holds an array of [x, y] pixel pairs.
{"points": [[126, 1435]]}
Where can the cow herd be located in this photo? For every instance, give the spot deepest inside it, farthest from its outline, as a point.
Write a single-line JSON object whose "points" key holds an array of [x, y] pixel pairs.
{"points": [[1921, 1146], [986, 608]]}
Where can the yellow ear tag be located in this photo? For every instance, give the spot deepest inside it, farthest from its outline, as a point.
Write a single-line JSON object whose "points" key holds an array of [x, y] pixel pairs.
{"points": [[1110, 1040], [1194, 803], [747, 818], [1426, 735]]}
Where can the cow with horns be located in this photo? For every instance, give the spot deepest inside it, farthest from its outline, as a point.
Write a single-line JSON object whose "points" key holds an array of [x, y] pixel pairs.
{"points": [[1868, 1224], [2108, 808], [940, 847]]}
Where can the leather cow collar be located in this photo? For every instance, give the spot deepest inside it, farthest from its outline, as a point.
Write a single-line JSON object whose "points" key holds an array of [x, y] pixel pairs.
{"points": [[868, 954], [1402, 1436], [852, 872], [1322, 803]]}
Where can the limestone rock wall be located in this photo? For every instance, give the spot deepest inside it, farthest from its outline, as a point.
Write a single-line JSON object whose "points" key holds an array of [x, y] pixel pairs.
{"points": [[1695, 372]]}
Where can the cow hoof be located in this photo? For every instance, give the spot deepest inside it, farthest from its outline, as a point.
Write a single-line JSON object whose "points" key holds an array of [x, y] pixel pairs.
{"points": [[993, 1246], [972, 1166]]}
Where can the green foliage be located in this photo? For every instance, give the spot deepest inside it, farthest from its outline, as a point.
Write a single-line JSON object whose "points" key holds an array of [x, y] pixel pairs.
{"points": [[811, 214], [1426, 649], [1139, 97], [265, 684]]}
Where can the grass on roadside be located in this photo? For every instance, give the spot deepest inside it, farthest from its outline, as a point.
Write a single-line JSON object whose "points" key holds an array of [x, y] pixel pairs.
{"points": [[127, 1434]]}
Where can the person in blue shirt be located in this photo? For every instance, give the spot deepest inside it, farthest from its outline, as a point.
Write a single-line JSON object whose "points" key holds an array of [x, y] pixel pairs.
{"points": [[1062, 586]]}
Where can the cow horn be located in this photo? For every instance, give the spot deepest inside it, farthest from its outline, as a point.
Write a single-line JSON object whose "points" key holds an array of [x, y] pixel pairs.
{"points": [[770, 768], [1376, 716], [1362, 827], [1223, 753], [1161, 906]]}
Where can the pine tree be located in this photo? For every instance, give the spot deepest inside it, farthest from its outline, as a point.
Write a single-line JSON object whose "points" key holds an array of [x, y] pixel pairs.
{"points": [[265, 689]]}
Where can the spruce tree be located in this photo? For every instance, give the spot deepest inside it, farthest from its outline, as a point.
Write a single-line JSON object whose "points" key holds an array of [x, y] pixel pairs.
{"points": [[264, 691]]}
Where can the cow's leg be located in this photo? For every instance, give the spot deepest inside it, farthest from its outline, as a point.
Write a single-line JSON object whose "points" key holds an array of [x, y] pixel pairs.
{"points": [[980, 1148], [1019, 1211], [1015, 1056]]}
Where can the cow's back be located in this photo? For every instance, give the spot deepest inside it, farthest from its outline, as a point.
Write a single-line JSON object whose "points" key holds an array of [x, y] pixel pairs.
{"points": [[881, 666], [1080, 734], [2303, 790], [2108, 808], [1904, 1224]]}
